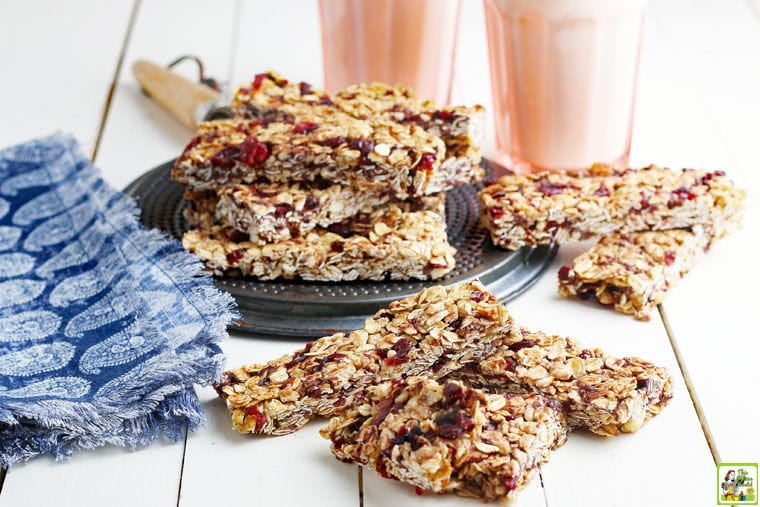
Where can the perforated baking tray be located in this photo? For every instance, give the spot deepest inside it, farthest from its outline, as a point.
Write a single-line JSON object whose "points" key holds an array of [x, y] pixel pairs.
{"points": [[308, 309]]}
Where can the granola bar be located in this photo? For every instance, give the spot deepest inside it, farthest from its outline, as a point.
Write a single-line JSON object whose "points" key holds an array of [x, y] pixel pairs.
{"points": [[340, 149], [538, 209], [430, 333], [387, 243], [277, 212], [603, 394], [449, 438], [633, 271], [271, 97]]}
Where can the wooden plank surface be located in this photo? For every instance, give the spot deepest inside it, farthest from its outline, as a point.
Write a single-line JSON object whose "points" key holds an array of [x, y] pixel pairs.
{"points": [[57, 66]]}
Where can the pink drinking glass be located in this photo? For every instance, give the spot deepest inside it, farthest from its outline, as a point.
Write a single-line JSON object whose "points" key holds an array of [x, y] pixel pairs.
{"points": [[563, 79], [408, 42]]}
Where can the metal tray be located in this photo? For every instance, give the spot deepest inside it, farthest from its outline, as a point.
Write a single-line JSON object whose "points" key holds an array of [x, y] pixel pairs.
{"points": [[309, 309]]}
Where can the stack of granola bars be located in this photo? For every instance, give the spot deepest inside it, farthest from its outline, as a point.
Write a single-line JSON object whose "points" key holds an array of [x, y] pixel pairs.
{"points": [[655, 224], [444, 391], [342, 187]]}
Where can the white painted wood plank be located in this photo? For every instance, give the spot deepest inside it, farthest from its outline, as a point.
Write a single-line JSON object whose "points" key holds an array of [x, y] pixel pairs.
{"points": [[224, 467], [58, 61], [139, 134], [706, 90], [591, 470]]}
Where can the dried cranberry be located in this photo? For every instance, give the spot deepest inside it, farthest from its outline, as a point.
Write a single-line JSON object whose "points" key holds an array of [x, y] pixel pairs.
{"points": [[646, 384], [336, 246], [364, 146], [236, 236], [444, 115], [564, 273], [670, 258], [234, 256], [334, 142], [282, 209], [490, 181], [226, 157], [335, 356], [304, 88], [523, 344], [260, 418], [253, 152], [477, 296], [496, 212], [602, 191], [357, 424], [384, 408], [426, 161], [325, 100], [452, 424], [305, 127], [551, 225], [419, 491], [589, 393], [585, 354], [509, 482], [453, 393], [193, 143], [258, 79], [341, 229], [644, 202], [311, 202], [402, 348], [546, 187]]}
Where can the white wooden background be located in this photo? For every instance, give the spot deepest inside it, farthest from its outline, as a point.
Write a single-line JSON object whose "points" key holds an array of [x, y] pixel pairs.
{"points": [[67, 66]]}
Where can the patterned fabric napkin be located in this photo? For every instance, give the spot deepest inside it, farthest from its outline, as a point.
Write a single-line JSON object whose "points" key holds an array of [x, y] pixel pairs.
{"points": [[104, 326]]}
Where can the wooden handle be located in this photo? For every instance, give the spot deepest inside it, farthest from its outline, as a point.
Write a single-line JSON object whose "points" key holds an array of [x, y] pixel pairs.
{"points": [[175, 94]]}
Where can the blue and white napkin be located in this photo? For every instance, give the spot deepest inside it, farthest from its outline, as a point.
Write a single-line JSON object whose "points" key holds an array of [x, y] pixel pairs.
{"points": [[104, 326]]}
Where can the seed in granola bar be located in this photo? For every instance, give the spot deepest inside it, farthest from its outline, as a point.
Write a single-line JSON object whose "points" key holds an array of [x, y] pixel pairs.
{"points": [[253, 152], [226, 157], [305, 127], [453, 423]]}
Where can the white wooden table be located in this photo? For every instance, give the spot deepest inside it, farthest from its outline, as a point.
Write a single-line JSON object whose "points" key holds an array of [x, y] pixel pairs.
{"points": [[67, 66]]}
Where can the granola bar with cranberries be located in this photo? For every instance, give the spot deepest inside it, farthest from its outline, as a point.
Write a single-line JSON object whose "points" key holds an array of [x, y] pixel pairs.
{"points": [[274, 212], [598, 392], [541, 208], [400, 158], [449, 438], [270, 96], [387, 243], [430, 333], [633, 272], [277, 212]]}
